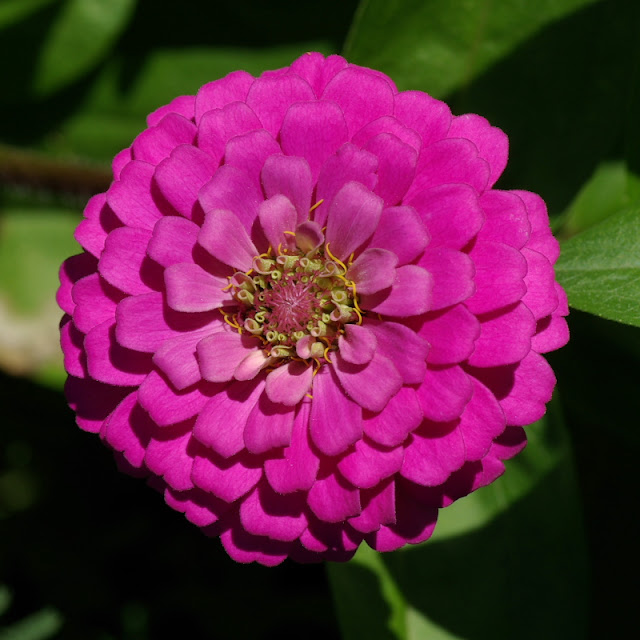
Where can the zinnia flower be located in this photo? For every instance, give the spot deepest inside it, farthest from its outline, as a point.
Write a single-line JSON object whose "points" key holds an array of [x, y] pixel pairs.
{"points": [[304, 312]]}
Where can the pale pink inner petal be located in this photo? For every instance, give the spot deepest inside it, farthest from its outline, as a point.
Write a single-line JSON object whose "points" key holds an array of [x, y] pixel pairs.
{"points": [[291, 177], [357, 345], [336, 420], [226, 239], [400, 230], [277, 215], [373, 270], [192, 289], [289, 383], [220, 354]]}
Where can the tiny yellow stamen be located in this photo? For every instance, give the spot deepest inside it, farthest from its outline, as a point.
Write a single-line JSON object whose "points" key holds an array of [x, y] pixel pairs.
{"points": [[316, 205], [326, 248], [290, 233], [326, 355]]}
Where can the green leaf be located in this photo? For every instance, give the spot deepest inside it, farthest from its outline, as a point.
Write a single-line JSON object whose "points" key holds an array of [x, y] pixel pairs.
{"points": [[600, 268], [33, 243], [41, 625], [608, 191], [508, 561], [440, 46], [12, 11], [81, 35]]}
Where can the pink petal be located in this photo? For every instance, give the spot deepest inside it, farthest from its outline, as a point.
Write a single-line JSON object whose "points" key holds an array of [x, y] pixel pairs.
{"points": [[289, 383], [221, 422], [522, 390], [170, 456], [541, 297], [352, 219], [226, 239], [199, 508], [451, 333], [452, 273], [215, 95], [500, 273], [414, 524], [406, 349], [176, 357], [393, 424], [233, 190], [373, 270], [271, 97], [269, 426], [298, 469], [449, 161], [143, 322], [165, 405], [192, 289], [244, 548], [131, 199], [309, 236], [249, 152], [182, 105], [336, 420], [333, 499], [481, 422], [72, 344], [396, 167], [95, 302], [318, 70], [388, 124], [435, 451], [251, 365], [362, 95], [277, 215], [157, 142], [181, 176], [218, 126], [410, 294], [314, 131], [505, 337], [431, 118], [173, 241], [291, 177], [128, 430], [506, 219], [357, 345], [71, 271], [551, 334], [92, 401], [451, 213], [226, 479], [378, 508], [400, 230], [348, 164], [123, 158], [108, 362], [444, 393], [370, 385], [368, 464], [492, 143], [124, 262], [98, 221], [221, 353], [541, 239], [265, 513]]}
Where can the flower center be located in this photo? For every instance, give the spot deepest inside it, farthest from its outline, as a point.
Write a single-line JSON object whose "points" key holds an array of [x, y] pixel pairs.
{"points": [[297, 303]]}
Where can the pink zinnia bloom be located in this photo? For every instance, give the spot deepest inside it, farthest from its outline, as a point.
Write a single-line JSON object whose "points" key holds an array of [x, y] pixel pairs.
{"points": [[304, 312]]}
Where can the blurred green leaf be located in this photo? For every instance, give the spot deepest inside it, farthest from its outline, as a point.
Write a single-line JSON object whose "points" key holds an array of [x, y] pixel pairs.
{"points": [[600, 268], [508, 561], [38, 626], [440, 46], [608, 191], [82, 33], [13, 10], [33, 243]]}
